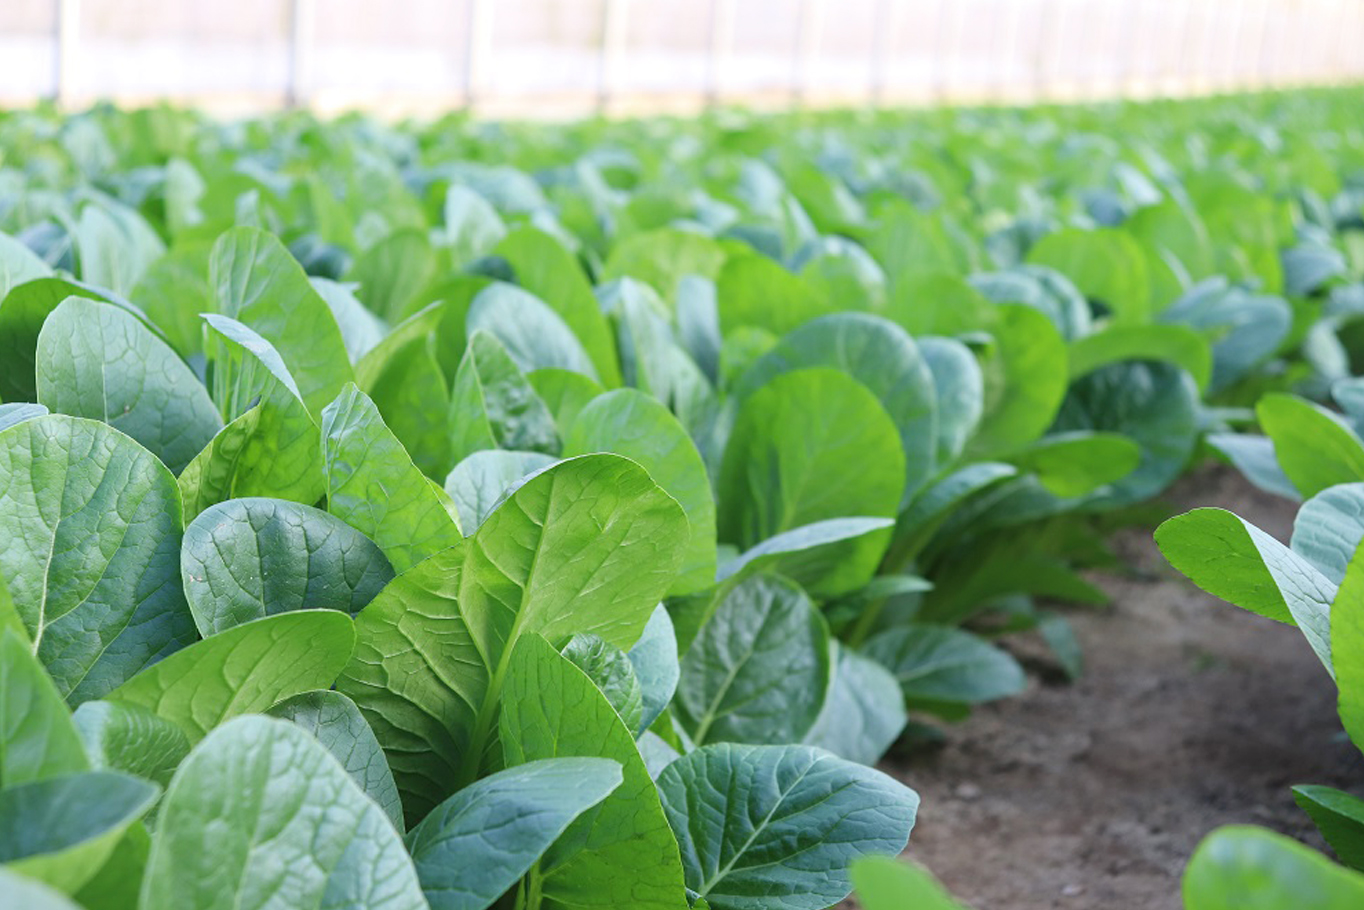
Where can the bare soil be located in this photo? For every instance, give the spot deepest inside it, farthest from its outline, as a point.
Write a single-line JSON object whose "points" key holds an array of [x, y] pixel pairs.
{"points": [[1191, 714]]}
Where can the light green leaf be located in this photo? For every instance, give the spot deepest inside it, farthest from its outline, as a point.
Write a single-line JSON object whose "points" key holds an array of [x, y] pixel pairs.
{"points": [[18, 412], [622, 854], [262, 817], [493, 405], [1339, 817], [89, 550], [482, 480], [1106, 265], [243, 670], [863, 712], [1315, 449], [803, 552], [474, 846], [413, 398], [588, 545], [885, 883], [336, 723], [533, 334], [131, 739], [755, 291], [1077, 463], [18, 264], [759, 669], [565, 393], [940, 664], [393, 272], [114, 245], [612, 672], [249, 558], [96, 360], [37, 737], [656, 665], [374, 487], [60, 830], [1177, 344], [257, 282], [775, 827], [630, 423], [1328, 529], [1244, 868], [1254, 457], [959, 387], [1025, 380], [21, 891], [22, 313]]}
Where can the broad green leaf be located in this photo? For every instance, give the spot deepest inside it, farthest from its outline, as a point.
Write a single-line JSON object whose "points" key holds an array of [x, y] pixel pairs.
{"points": [[1025, 380], [22, 314], [17, 412], [1106, 265], [377, 359], [37, 737], [1244, 868], [1328, 529], [940, 664], [477, 844], [885, 883], [173, 291], [1177, 344], [588, 545], [262, 817], [21, 891], [883, 358], [1077, 463], [1339, 817], [483, 479], [18, 264], [926, 512], [621, 854], [939, 303], [775, 827], [802, 552], [394, 271], [89, 546], [336, 723], [1346, 632], [127, 738], [1254, 457], [493, 405], [249, 558], [759, 669], [243, 670], [114, 245], [863, 711], [630, 423], [1232, 559], [533, 334], [654, 658], [565, 393], [1043, 289], [118, 882], [257, 282], [543, 267], [959, 389], [275, 453], [1244, 329], [361, 330], [663, 257], [413, 397], [60, 830], [612, 672], [808, 446], [755, 291], [1315, 449], [98, 361], [472, 226], [374, 487]]}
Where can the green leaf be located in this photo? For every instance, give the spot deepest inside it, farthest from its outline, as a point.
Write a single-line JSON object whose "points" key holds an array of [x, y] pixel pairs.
{"points": [[96, 360], [1254, 457], [588, 545], [938, 303], [775, 827], [18, 264], [1328, 529], [1177, 344], [21, 891], [1232, 559], [482, 480], [959, 387], [564, 393], [131, 739], [118, 882], [257, 282], [243, 670], [89, 549], [477, 844], [941, 664], [1025, 380], [1077, 463], [413, 398], [863, 712], [18, 412], [612, 672], [37, 737], [802, 553], [1338, 816], [1245, 329], [278, 452], [630, 423], [249, 558], [755, 291], [1314, 448], [22, 314], [808, 446], [374, 487], [472, 226], [493, 405], [927, 511], [882, 357], [533, 334], [376, 361], [759, 669], [662, 257], [656, 665], [621, 854], [393, 272], [114, 245], [262, 817], [885, 883], [1106, 265], [336, 723], [1243, 868], [361, 330], [60, 830], [1346, 632]]}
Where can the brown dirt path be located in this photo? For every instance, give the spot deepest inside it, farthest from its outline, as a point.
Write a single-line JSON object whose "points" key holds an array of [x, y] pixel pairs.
{"points": [[1191, 714]]}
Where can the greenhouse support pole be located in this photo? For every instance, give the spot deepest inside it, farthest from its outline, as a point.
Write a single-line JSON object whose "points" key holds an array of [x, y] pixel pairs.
{"points": [[65, 38], [883, 25], [302, 15], [477, 48], [614, 30], [807, 48], [720, 48]]}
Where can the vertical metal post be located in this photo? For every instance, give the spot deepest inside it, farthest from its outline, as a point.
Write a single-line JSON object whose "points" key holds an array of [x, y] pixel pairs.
{"points": [[65, 40], [614, 31], [807, 48], [721, 48], [302, 16], [477, 48], [884, 22]]}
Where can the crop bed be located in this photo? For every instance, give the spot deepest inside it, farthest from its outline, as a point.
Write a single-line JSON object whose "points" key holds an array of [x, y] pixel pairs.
{"points": [[468, 515]]}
